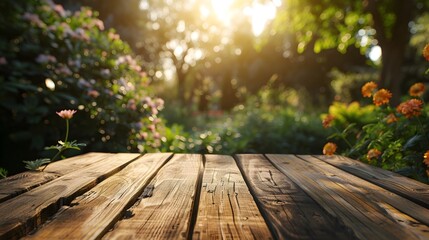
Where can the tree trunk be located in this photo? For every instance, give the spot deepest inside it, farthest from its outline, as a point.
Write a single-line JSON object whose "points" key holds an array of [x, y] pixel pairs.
{"points": [[229, 98], [394, 48], [393, 42], [181, 88], [391, 76]]}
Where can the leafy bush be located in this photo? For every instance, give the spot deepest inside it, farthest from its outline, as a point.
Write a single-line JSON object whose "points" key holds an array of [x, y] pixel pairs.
{"points": [[274, 121], [396, 139], [270, 122], [52, 59]]}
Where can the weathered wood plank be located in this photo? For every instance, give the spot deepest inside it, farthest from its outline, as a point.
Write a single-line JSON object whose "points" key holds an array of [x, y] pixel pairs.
{"points": [[226, 207], [358, 203], [165, 207], [408, 207], [415, 191], [291, 213], [29, 210], [94, 213], [23, 182]]}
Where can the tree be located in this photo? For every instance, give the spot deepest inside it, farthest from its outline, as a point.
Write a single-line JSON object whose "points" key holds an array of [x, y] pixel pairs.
{"points": [[325, 24], [178, 32]]}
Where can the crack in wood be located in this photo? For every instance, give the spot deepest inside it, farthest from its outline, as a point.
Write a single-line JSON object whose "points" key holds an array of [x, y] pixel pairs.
{"points": [[148, 191]]}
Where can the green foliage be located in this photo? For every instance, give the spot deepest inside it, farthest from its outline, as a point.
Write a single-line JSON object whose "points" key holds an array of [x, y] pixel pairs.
{"points": [[325, 24], [400, 137], [60, 147], [3, 173], [54, 59], [353, 113], [269, 122], [347, 86], [36, 164]]}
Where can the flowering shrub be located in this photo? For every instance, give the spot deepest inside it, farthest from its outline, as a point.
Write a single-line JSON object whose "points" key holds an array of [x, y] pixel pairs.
{"points": [[53, 59], [395, 138]]}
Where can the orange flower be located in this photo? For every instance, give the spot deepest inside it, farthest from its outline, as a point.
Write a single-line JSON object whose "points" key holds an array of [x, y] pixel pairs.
{"points": [[368, 89], [417, 89], [381, 97], [327, 121], [426, 52], [373, 153], [329, 148], [410, 108], [391, 118], [426, 158], [66, 114]]}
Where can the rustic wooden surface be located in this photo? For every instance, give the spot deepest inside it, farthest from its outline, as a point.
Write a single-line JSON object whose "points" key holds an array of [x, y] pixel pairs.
{"points": [[165, 207], [191, 196], [226, 207], [19, 183], [406, 187], [94, 212], [355, 202], [292, 213]]}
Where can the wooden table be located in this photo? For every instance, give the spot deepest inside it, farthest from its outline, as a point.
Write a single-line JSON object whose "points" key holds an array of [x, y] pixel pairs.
{"points": [[190, 196]]}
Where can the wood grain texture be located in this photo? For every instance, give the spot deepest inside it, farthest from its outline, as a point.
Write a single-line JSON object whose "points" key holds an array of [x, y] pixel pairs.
{"points": [[411, 189], [165, 207], [29, 210], [354, 201], [226, 207], [23, 182], [377, 193], [93, 213], [291, 213]]}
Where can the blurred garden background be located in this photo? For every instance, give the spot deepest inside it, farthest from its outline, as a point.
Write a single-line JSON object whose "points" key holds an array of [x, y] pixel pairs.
{"points": [[215, 76]]}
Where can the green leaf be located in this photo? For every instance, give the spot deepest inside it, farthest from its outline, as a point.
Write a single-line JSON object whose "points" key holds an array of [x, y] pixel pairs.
{"points": [[57, 147], [3, 173], [349, 127], [414, 142], [34, 165]]}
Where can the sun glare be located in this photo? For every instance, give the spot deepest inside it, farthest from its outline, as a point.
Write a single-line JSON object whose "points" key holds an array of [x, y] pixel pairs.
{"points": [[222, 9], [259, 14]]}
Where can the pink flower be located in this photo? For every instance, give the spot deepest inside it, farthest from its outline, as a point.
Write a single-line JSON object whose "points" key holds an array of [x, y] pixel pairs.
{"points": [[113, 36], [60, 10], [66, 114], [105, 72], [132, 105], [144, 135], [3, 61], [99, 24], [44, 58], [159, 103], [64, 70], [93, 93], [80, 34], [34, 19], [88, 12]]}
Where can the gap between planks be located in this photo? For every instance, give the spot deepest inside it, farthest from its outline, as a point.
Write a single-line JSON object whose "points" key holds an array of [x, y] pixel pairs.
{"points": [[227, 209], [165, 207], [23, 182], [355, 201], [92, 214], [33, 208], [287, 209], [406, 187]]}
